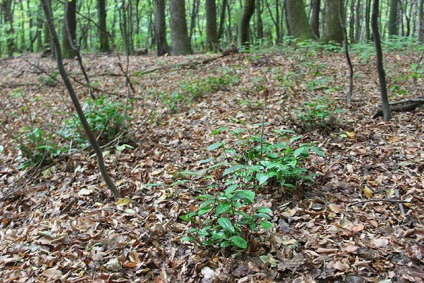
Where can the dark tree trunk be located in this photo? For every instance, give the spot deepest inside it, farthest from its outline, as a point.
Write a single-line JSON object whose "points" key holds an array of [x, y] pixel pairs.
{"points": [[367, 20], [8, 26], [179, 38], [393, 26], [103, 35], [243, 27], [358, 21], [70, 29], [379, 62], [222, 19], [316, 4], [211, 28], [421, 22], [160, 28]]}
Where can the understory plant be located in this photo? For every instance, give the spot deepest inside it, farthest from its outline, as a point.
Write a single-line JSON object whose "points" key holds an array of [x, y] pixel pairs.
{"points": [[229, 214], [316, 114], [107, 119], [38, 147]]}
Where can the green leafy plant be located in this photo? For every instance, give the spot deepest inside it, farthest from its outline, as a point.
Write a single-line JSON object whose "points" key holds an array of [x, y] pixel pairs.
{"points": [[48, 79], [38, 147], [317, 114], [256, 162], [227, 220], [107, 119], [229, 215]]}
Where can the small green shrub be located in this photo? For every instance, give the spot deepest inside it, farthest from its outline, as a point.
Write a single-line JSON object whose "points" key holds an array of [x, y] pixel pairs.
{"points": [[256, 162], [107, 119], [38, 147], [48, 80], [227, 219], [229, 215], [317, 114]]}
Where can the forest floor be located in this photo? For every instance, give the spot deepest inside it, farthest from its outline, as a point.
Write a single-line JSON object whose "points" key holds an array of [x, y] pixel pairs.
{"points": [[361, 220]]}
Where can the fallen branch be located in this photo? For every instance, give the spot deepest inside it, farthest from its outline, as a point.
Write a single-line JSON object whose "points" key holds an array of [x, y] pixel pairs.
{"points": [[401, 106]]}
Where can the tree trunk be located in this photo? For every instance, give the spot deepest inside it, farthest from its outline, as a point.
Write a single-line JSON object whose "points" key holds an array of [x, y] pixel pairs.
{"points": [[160, 28], [103, 35], [49, 19], [358, 21], [379, 62], [211, 27], [259, 22], [421, 22], [179, 38], [243, 27], [8, 26], [70, 29], [297, 20], [367, 19], [393, 26], [222, 19], [316, 4], [333, 29]]}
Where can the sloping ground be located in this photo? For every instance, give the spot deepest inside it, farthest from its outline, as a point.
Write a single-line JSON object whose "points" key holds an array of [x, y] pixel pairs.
{"points": [[360, 221]]}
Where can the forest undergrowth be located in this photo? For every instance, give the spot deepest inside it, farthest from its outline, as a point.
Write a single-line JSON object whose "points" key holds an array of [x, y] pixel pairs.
{"points": [[355, 215]]}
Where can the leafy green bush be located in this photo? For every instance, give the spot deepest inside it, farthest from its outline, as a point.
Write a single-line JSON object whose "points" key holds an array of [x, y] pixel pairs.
{"points": [[229, 215], [317, 114], [257, 162], [38, 147], [107, 119]]}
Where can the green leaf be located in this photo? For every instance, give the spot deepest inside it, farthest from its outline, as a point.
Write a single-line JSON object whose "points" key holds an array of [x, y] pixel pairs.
{"points": [[214, 146], [266, 224], [225, 223], [222, 208], [187, 239], [295, 138], [188, 173], [318, 151], [262, 178], [300, 151], [239, 242], [263, 209], [219, 130], [233, 169], [245, 194]]}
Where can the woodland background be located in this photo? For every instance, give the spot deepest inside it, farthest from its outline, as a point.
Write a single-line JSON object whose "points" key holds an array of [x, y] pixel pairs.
{"points": [[211, 141]]}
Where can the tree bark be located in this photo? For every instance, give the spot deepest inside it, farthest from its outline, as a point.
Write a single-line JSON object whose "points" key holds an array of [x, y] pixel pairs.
{"points": [[393, 26], [160, 28], [316, 4], [103, 35], [421, 22], [179, 38], [379, 63], [9, 30], [333, 28], [297, 19], [211, 26], [243, 26], [70, 29], [75, 101]]}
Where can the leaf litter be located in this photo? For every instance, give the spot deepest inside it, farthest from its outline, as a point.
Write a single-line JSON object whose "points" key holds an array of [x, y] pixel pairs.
{"points": [[59, 223]]}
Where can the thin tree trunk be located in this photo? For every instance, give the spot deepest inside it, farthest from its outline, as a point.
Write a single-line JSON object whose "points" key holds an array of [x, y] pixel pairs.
{"points": [[379, 62], [49, 19]]}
